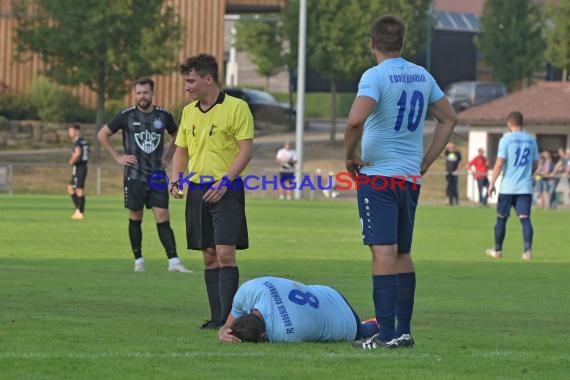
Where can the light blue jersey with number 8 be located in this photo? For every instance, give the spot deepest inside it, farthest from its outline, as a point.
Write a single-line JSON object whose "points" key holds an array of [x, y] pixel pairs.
{"points": [[295, 312], [520, 151], [393, 132]]}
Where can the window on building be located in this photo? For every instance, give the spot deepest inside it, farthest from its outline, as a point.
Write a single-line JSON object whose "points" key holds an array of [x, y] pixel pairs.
{"points": [[493, 147]]}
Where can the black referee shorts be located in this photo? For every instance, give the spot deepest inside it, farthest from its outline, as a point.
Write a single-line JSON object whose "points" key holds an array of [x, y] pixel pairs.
{"points": [[221, 223], [78, 176]]}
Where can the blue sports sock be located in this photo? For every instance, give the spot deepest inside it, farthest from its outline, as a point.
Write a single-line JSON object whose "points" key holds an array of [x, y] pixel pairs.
{"points": [[368, 329], [527, 233], [405, 305], [385, 295], [500, 230]]}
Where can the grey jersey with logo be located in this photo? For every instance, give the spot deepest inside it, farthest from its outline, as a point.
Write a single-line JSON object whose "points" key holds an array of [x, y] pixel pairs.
{"points": [[143, 137]]}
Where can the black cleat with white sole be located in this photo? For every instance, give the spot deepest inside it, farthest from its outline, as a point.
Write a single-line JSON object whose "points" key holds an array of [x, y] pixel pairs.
{"points": [[405, 340]]}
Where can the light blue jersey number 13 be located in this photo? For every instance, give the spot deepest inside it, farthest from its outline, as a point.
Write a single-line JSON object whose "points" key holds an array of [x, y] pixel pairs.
{"points": [[521, 158]]}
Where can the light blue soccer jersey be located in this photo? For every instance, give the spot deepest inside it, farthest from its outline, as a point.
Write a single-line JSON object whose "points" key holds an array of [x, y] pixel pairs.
{"points": [[393, 132], [520, 151], [295, 312]]}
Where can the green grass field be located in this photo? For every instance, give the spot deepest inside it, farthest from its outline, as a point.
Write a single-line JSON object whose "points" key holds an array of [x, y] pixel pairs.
{"points": [[71, 307]]}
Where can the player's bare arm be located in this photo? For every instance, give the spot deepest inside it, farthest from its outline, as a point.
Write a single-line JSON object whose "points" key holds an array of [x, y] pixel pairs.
{"points": [[497, 169], [216, 192], [167, 158], [359, 111], [446, 121], [225, 332], [180, 160], [75, 156], [123, 159]]}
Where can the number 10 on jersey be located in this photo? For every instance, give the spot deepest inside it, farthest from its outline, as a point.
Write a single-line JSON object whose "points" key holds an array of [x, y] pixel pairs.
{"points": [[415, 110]]}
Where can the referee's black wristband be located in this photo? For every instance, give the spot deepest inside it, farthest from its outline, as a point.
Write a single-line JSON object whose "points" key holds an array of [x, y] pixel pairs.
{"points": [[174, 183]]}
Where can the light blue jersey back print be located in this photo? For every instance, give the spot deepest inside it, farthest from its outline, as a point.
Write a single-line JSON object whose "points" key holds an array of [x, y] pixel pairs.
{"points": [[520, 151], [393, 132], [295, 312]]}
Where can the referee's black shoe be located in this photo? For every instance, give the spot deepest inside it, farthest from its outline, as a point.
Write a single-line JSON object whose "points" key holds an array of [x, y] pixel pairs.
{"points": [[211, 325]]}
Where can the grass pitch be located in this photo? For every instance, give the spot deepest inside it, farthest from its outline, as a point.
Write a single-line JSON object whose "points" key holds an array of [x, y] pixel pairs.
{"points": [[71, 307]]}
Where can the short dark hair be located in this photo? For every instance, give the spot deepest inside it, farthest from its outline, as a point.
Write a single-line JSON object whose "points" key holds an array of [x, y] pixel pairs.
{"points": [[248, 328], [74, 126], [143, 81], [515, 118], [388, 34], [202, 64]]}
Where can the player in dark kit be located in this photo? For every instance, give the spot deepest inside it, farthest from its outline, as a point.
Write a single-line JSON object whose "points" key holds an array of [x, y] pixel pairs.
{"points": [[143, 127], [79, 158]]}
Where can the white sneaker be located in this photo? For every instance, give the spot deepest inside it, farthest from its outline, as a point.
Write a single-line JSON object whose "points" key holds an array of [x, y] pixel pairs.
{"points": [[139, 267], [494, 254], [178, 268], [527, 256], [77, 215]]}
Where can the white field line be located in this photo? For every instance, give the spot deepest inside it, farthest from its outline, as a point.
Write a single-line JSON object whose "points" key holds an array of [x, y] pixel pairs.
{"points": [[166, 355], [399, 354]]}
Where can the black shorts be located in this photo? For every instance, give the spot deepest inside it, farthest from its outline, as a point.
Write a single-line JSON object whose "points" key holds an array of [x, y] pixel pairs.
{"points": [[139, 194], [286, 176], [78, 176], [221, 223]]}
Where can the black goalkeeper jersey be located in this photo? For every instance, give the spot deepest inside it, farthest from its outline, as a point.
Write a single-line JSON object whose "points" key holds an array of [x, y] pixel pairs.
{"points": [[82, 144], [143, 137]]}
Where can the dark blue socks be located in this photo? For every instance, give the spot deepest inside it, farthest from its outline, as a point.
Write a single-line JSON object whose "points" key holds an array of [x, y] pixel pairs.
{"points": [[527, 233], [500, 229], [368, 329], [405, 304], [385, 295]]}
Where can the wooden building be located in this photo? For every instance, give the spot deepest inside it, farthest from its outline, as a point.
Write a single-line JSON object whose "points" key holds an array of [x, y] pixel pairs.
{"points": [[204, 22]]}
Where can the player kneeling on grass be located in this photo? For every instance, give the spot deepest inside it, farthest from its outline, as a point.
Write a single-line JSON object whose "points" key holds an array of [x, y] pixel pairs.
{"points": [[282, 310]]}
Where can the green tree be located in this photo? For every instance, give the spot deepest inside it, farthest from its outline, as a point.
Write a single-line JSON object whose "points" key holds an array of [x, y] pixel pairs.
{"points": [[263, 43], [557, 36], [338, 34], [510, 39], [337, 42], [414, 14], [103, 44]]}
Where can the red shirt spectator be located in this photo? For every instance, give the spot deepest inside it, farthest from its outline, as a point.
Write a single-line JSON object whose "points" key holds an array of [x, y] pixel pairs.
{"points": [[480, 164]]}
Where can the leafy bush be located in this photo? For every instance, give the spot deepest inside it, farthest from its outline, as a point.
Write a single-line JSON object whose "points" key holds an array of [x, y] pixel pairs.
{"points": [[112, 108], [177, 111], [16, 107], [54, 104], [74, 111]]}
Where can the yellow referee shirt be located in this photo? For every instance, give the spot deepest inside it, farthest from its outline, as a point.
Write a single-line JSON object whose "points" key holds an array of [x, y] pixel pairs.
{"points": [[211, 137]]}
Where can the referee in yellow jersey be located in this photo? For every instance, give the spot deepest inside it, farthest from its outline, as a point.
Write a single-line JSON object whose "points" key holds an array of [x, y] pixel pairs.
{"points": [[214, 145]]}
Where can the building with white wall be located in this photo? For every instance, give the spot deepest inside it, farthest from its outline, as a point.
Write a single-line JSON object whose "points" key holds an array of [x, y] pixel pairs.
{"points": [[546, 110]]}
